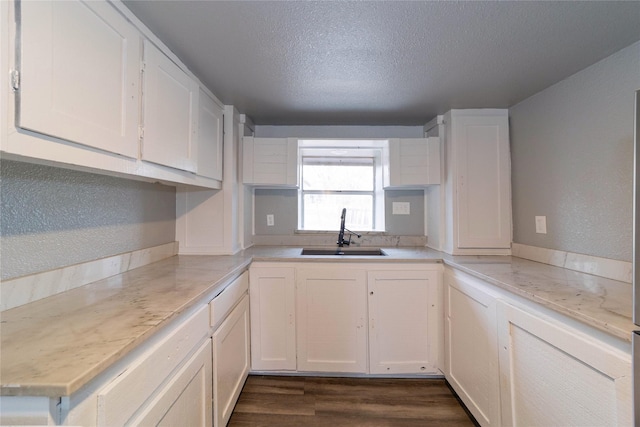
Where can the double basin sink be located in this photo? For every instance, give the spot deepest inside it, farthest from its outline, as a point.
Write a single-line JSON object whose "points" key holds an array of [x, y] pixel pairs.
{"points": [[343, 251]]}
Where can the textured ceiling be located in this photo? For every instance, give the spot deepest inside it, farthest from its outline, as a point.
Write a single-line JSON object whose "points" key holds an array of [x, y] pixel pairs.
{"points": [[384, 62]]}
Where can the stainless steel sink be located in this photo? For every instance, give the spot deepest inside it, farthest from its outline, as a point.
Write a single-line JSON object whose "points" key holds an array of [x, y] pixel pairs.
{"points": [[343, 251]]}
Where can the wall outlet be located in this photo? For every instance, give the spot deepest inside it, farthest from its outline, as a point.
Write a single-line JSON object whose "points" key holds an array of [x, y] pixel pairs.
{"points": [[270, 220], [401, 208], [541, 224]]}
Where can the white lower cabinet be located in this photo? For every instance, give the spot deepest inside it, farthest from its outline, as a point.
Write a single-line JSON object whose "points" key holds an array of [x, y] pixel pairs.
{"points": [[331, 317], [347, 318], [551, 374], [229, 318], [231, 361], [151, 376], [186, 399], [514, 363], [273, 322], [191, 374], [471, 348], [404, 321]]}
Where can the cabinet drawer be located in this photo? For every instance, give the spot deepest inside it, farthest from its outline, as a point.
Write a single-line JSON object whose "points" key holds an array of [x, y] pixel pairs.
{"points": [[120, 399], [227, 299]]}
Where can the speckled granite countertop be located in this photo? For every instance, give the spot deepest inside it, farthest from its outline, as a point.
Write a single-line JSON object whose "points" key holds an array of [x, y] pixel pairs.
{"points": [[54, 346]]}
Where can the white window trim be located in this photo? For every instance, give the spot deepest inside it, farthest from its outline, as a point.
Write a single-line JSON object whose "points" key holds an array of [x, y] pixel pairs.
{"points": [[349, 149]]}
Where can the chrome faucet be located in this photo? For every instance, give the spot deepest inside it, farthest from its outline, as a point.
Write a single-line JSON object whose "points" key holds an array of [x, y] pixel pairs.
{"points": [[341, 241]]}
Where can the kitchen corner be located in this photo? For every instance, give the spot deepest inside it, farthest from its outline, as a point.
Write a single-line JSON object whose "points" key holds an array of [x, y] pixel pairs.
{"points": [[76, 335], [172, 175]]}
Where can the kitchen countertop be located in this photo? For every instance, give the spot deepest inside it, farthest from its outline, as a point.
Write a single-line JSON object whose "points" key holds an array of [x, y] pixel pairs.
{"points": [[54, 346], [602, 303]]}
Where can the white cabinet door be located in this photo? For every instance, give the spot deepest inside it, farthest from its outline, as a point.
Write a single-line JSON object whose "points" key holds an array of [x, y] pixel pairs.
{"points": [[126, 394], [483, 190], [230, 361], [270, 162], [186, 399], [552, 374], [210, 118], [170, 112], [273, 325], [413, 163], [403, 322], [79, 74], [471, 347], [332, 319]]}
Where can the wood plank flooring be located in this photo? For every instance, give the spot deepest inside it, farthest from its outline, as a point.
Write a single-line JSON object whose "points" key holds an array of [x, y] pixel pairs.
{"points": [[319, 401]]}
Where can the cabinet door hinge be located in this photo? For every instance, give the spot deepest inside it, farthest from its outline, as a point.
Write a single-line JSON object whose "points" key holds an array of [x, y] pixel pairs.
{"points": [[15, 80], [140, 133]]}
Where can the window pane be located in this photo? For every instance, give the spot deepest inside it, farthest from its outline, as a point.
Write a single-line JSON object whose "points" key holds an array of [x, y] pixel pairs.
{"points": [[322, 211], [337, 177]]}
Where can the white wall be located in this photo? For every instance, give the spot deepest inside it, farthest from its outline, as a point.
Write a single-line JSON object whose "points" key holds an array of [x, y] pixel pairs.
{"points": [[572, 160], [209, 222]]}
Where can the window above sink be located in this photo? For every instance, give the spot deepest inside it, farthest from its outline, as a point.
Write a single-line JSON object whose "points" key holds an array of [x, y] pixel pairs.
{"points": [[341, 173]]}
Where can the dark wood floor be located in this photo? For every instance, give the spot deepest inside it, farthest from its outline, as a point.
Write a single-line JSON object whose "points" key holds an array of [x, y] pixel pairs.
{"points": [[317, 401]]}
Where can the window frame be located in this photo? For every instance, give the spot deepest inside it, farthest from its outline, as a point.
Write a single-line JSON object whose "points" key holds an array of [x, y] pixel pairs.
{"points": [[350, 151]]}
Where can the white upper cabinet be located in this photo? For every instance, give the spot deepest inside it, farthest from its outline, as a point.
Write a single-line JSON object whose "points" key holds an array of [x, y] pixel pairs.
{"points": [[170, 111], [79, 74], [270, 162], [412, 163], [210, 119], [89, 87], [483, 176], [477, 187]]}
